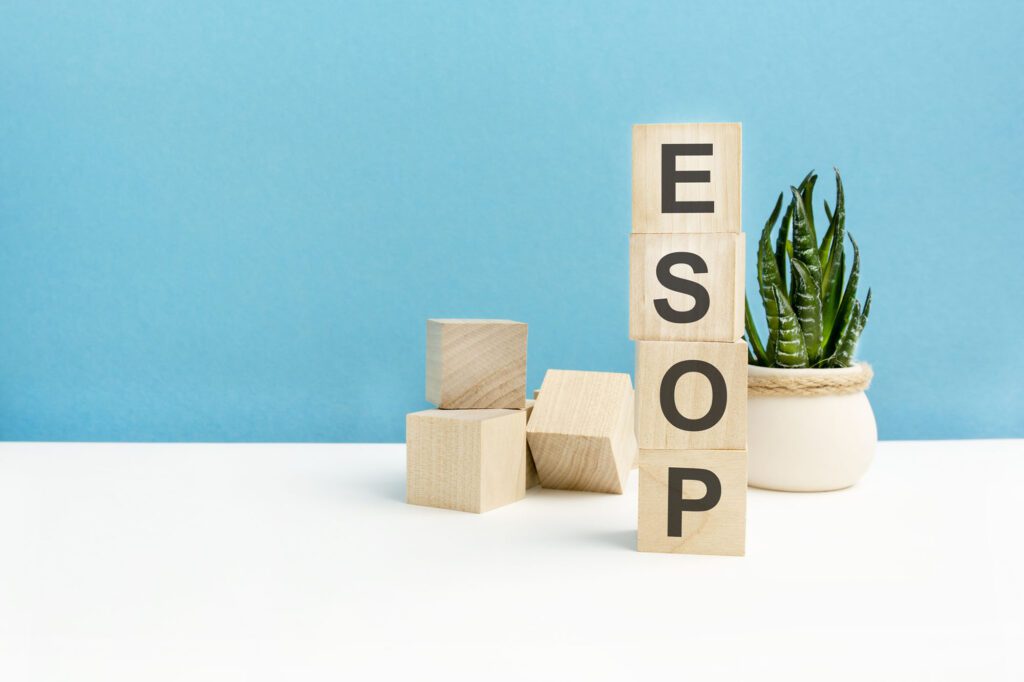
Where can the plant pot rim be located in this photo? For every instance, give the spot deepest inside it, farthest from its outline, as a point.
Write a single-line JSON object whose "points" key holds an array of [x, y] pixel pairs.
{"points": [[807, 382]]}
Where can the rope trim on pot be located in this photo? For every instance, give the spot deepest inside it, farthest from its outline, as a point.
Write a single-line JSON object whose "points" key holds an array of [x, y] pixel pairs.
{"points": [[810, 382]]}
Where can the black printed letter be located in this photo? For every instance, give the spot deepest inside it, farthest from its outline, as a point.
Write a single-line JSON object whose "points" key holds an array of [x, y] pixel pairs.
{"points": [[677, 505], [670, 176], [702, 301], [668, 395]]}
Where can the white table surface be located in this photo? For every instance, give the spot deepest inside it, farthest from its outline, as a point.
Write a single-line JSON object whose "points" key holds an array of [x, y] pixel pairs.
{"points": [[295, 562]]}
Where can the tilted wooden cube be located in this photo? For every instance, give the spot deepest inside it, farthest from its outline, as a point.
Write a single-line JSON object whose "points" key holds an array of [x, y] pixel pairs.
{"points": [[686, 287], [693, 501], [691, 395], [686, 177], [581, 431], [468, 460], [476, 364]]}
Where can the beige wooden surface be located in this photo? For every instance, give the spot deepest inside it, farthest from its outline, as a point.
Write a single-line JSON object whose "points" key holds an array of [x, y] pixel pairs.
{"points": [[724, 188], [467, 460], [692, 395], [581, 431], [719, 530], [723, 255], [476, 364]]}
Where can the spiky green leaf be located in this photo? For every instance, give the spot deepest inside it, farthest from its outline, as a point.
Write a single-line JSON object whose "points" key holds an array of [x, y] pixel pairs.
{"points": [[790, 351], [831, 296], [844, 315], [759, 356], [807, 306], [826, 241], [840, 198], [843, 356], [768, 277], [835, 267], [837, 226], [806, 190], [805, 290], [805, 248], [781, 241]]}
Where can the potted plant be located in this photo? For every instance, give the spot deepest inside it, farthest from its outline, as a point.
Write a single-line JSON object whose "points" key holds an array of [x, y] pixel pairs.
{"points": [[811, 427]]}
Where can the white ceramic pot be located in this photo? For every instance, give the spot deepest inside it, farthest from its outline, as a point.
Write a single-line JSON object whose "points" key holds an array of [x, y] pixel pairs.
{"points": [[808, 443]]}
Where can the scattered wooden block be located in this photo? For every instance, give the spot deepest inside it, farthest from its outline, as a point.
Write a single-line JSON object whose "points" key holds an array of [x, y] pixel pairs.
{"points": [[686, 287], [468, 460], [693, 501], [476, 364], [532, 479], [691, 395], [686, 177], [581, 431]]}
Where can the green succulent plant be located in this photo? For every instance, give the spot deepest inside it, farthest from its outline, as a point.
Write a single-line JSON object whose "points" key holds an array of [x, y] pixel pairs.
{"points": [[817, 320]]}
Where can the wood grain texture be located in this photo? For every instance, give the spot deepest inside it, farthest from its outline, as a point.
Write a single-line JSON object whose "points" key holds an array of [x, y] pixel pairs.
{"points": [[467, 460], [692, 395], [532, 480], [723, 188], [719, 530], [476, 364], [722, 254], [581, 432]]}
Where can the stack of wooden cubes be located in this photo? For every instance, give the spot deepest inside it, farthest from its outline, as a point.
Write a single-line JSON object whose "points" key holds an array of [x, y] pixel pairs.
{"points": [[486, 444], [686, 315], [470, 454]]}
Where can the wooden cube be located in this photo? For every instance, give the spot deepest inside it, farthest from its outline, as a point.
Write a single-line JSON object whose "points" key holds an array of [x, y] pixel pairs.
{"points": [[686, 287], [693, 501], [686, 177], [532, 479], [468, 460], [476, 364], [691, 395], [581, 431]]}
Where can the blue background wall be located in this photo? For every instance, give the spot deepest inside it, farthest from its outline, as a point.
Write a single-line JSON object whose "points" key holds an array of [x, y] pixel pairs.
{"points": [[230, 222]]}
